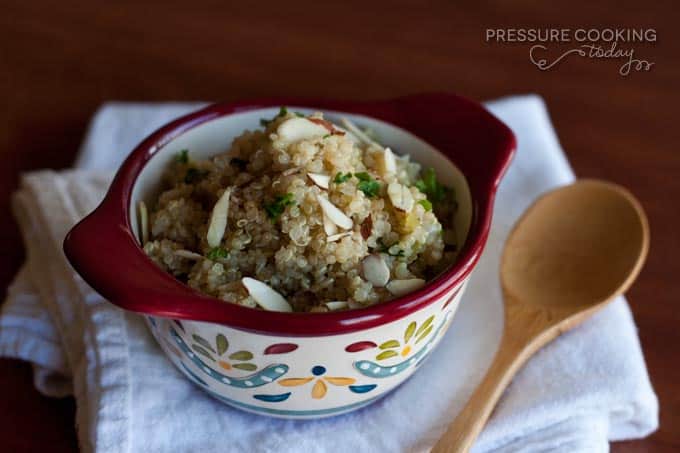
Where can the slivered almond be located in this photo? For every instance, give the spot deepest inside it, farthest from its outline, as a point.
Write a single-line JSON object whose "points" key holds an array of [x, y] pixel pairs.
{"points": [[265, 296], [144, 222], [337, 237], [290, 171], [400, 196], [402, 287], [375, 270], [361, 135], [188, 254], [334, 214], [320, 180], [389, 162], [296, 129], [354, 305], [328, 226], [218, 219], [321, 122], [336, 305]]}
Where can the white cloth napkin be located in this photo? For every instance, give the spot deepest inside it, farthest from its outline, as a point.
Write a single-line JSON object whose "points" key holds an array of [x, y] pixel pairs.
{"points": [[586, 388]]}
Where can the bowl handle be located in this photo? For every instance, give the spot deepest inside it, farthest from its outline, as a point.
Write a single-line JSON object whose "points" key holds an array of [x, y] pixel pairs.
{"points": [[101, 246], [479, 143]]}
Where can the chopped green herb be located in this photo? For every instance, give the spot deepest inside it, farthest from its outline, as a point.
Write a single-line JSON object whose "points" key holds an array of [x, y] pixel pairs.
{"points": [[217, 253], [326, 136], [282, 112], [369, 186], [300, 114], [194, 175], [382, 248], [429, 185], [240, 163], [340, 177], [182, 157], [276, 208], [426, 204]]}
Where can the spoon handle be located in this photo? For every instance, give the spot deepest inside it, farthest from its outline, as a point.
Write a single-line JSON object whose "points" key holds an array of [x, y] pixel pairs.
{"points": [[516, 347]]}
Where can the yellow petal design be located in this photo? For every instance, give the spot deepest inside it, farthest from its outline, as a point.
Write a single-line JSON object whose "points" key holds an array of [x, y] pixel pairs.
{"points": [[319, 390], [340, 380], [293, 382], [406, 350]]}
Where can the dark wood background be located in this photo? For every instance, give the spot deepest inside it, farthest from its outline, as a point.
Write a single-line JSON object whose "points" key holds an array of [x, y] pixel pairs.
{"points": [[60, 60]]}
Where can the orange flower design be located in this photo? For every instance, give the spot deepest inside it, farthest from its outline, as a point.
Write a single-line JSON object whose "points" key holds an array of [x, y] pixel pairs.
{"points": [[320, 381]]}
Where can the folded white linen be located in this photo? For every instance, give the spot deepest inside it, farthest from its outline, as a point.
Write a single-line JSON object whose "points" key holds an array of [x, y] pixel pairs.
{"points": [[586, 388]]}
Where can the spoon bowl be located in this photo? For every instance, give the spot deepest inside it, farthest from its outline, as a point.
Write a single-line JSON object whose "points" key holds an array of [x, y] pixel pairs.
{"points": [[573, 251], [575, 247]]}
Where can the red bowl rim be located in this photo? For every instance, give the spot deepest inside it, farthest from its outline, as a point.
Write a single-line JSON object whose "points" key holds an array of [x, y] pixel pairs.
{"points": [[130, 280]]}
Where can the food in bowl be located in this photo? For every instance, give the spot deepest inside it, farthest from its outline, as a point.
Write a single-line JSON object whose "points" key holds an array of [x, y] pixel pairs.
{"points": [[302, 365], [302, 215]]}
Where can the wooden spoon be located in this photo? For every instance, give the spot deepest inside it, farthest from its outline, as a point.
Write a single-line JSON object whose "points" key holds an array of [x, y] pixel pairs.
{"points": [[574, 250]]}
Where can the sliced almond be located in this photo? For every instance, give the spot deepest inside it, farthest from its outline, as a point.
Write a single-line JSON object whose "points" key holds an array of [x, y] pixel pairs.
{"points": [[290, 171], [361, 135], [389, 162], [320, 180], [400, 196], [336, 305], [328, 226], [218, 219], [321, 122], [402, 287], [265, 296], [375, 270], [144, 222], [337, 237], [353, 305], [296, 129], [334, 214], [188, 254]]}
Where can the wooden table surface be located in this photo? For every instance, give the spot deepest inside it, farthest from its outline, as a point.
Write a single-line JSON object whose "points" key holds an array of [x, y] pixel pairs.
{"points": [[59, 61]]}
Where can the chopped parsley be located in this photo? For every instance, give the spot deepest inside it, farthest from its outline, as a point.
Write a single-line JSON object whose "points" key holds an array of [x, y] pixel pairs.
{"points": [[426, 204], [382, 248], [429, 185], [216, 253], [340, 177], [300, 114], [240, 163], [326, 136], [369, 186], [276, 208], [182, 157], [194, 175], [282, 112]]}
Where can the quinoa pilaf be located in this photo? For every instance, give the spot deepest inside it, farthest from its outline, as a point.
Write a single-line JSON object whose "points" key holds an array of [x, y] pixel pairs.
{"points": [[301, 215]]}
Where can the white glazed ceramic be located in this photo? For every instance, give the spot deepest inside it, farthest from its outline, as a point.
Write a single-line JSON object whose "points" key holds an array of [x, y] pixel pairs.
{"points": [[290, 365]]}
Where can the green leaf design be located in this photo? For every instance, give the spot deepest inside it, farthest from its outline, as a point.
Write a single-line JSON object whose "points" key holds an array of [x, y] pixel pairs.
{"points": [[241, 355], [389, 344], [222, 344], [203, 342], [202, 351], [386, 355], [245, 366], [409, 331], [425, 325], [424, 334]]}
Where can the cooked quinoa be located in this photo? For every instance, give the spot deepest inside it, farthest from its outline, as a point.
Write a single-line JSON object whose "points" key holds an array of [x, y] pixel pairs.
{"points": [[304, 216]]}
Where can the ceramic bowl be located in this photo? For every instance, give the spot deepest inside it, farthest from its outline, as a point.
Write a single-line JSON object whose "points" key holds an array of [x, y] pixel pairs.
{"points": [[283, 364]]}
